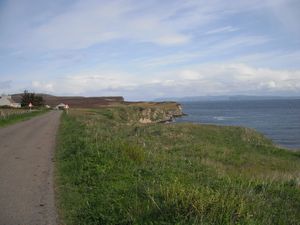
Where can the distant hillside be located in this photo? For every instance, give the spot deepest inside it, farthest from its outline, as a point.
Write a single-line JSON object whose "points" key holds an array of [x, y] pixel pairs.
{"points": [[225, 98], [75, 101]]}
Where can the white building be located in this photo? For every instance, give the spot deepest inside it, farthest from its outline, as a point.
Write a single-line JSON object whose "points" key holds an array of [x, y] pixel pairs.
{"points": [[61, 106], [6, 100]]}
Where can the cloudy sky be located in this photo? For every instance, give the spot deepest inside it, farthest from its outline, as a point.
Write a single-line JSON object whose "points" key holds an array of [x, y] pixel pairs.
{"points": [[150, 49]]}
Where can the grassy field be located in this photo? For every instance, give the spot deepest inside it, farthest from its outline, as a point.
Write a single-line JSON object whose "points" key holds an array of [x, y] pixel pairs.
{"points": [[11, 116], [113, 170]]}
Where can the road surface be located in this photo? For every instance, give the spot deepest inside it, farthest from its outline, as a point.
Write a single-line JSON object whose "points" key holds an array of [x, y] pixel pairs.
{"points": [[26, 171]]}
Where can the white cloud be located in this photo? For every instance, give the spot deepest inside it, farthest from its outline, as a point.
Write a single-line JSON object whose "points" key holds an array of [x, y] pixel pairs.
{"points": [[88, 22], [206, 49], [225, 29], [190, 75], [185, 34], [274, 57], [238, 42], [210, 79], [172, 39], [88, 83], [43, 86], [169, 59]]}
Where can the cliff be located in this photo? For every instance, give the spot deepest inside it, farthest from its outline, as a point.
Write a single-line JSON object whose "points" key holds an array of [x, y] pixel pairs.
{"points": [[156, 112]]}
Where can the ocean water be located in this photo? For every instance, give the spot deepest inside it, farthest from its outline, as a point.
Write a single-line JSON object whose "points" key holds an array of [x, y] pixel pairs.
{"points": [[279, 120]]}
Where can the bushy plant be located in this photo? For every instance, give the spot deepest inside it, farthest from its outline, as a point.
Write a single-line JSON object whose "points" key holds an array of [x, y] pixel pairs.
{"points": [[35, 100]]}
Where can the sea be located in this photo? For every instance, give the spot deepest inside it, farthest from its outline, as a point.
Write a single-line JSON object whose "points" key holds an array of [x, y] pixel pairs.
{"points": [[279, 120]]}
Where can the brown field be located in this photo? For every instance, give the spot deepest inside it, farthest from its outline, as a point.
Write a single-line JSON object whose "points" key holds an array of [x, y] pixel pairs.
{"points": [[76, 101]]}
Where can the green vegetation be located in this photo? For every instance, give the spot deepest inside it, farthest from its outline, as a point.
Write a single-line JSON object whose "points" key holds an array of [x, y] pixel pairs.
{"points": [[113, 170], [35, 100], [11, 116]]}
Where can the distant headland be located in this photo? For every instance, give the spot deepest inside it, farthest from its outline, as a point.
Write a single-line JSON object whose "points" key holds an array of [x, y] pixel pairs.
{"points": [[225, 98]]}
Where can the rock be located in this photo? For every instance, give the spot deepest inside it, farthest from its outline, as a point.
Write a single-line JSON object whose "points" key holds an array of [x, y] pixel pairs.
{"points": [[159, 112]]}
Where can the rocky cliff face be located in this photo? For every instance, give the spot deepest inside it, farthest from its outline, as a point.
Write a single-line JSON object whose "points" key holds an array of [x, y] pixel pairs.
{"points": [[143, 112], [160, 112]]}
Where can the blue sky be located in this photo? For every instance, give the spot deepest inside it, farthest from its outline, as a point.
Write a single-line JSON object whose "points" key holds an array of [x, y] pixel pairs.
{"points": [[150, 49]]}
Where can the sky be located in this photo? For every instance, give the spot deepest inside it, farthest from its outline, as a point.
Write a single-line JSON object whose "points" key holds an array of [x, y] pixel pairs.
{"points": [[150, 49]]}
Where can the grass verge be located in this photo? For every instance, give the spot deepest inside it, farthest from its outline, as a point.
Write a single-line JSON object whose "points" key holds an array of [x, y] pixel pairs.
{"points": [[111, 171], [15, 118]]}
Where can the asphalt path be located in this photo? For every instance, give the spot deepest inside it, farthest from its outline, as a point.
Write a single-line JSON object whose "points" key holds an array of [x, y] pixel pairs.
{"points": [[26, 171]]}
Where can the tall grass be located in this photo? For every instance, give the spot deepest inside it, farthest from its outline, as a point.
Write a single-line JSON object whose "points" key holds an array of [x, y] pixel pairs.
{"points": [[11, 116], [112, 170]]}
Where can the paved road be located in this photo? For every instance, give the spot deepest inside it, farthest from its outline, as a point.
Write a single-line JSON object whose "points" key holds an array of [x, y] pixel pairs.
{"points": [[26, 171]]}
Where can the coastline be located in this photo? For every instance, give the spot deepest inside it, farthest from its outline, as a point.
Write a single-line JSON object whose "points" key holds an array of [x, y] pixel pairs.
{"points": [[276, 119]]}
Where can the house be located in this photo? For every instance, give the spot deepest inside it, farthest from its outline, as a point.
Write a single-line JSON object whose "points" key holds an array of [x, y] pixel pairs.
{"points": [[6, 100], [61, 106]]}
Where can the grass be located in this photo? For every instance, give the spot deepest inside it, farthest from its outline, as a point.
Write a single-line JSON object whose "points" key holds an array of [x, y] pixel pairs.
{"points": [[113, 170], [18, 116]]}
